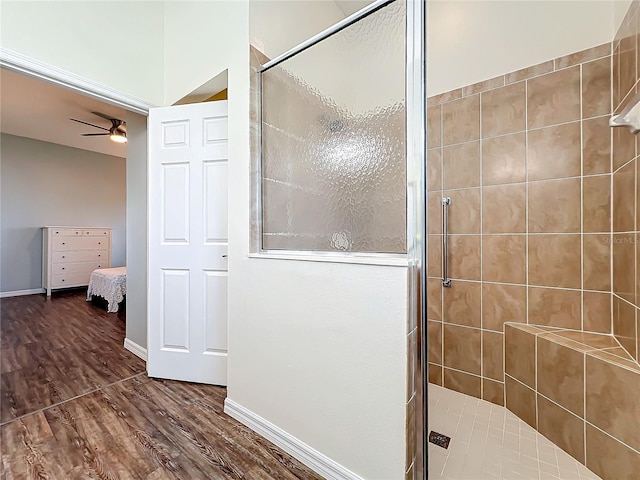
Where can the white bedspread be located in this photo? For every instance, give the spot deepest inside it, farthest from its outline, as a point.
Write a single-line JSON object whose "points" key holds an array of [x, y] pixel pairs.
{"points": [[110, 284]]}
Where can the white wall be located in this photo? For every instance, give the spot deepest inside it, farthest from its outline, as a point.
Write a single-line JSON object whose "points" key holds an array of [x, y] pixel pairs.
{"points": [[303, 20], [118, 44], [137, 229], [202, 39], [471, 41], [48, 184], [320, 351]]}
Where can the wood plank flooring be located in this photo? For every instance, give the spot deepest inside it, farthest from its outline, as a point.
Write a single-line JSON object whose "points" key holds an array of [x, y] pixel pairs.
{"points": [[55, 349], [76, 405]]}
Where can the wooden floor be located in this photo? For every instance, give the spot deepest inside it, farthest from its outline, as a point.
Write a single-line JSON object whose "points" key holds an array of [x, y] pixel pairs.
{"points": [[76, 405]]}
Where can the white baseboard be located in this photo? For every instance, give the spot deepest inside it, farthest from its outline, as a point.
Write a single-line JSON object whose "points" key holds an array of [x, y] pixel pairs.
{"points": [[17, 293], [313, 459], [136, 349]]}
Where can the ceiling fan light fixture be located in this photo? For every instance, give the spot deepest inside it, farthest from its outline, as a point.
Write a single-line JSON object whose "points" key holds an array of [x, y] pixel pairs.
{"points": [[116, 133], [118, 136]]}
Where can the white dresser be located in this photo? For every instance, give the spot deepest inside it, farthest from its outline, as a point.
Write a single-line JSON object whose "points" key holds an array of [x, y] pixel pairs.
{"points": [[70, 254]]}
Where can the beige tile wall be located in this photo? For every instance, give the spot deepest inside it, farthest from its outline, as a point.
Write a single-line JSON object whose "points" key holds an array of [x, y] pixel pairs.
{"points": [[625, 198], [526, 160]]}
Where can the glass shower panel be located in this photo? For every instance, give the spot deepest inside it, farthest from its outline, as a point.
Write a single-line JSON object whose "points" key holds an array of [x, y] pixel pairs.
{"points": [[333, 142]]}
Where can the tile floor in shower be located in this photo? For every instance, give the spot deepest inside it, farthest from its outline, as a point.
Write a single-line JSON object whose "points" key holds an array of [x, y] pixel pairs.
{"points": [[489, 442]]}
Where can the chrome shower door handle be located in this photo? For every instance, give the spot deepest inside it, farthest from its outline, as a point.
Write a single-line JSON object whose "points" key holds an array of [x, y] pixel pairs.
{"points": [[446, 201]]}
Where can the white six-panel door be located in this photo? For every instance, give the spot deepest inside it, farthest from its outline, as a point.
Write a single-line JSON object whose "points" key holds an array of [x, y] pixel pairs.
{"points": [[188, 240]]}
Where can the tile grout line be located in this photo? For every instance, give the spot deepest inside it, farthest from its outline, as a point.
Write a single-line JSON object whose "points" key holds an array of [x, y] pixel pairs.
{"points": [[635, 238], [625, 164], [441, 249], [625, 300], [627, 95], [584, 406], [471, 374], [522, 234], [481, 229], [520, 132], [72, 398], [442, 181], [581, 198], [550, 287], [535, 379], [526, 213], [524, 182]]}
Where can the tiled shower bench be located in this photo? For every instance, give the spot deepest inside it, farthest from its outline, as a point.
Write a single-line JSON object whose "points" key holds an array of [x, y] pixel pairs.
{"points": [[581, 390]]}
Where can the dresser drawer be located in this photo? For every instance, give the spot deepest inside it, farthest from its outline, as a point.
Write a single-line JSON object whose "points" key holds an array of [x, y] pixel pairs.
{"points": [[95, 232], [70, 280], [80, 256], [66, 244], [77, 267], [66, 232]]}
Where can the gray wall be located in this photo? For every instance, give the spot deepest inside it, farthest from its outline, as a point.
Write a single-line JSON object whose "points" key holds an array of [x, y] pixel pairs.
{"points": [[47, 184], [137, 229]]}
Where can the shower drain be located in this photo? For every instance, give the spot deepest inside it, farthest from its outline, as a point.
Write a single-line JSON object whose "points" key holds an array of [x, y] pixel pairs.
{"points": [[439, 439]]}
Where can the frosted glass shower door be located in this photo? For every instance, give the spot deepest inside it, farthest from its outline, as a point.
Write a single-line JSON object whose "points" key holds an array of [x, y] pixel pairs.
{"points": [[333, 142]]}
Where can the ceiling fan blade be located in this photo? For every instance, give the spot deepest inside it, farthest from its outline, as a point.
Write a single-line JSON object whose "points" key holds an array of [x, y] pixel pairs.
{"points": [[107, 117], [94, 134], [90, 124]]}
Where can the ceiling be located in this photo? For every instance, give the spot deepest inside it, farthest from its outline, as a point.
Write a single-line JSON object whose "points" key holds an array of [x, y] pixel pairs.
{"points": [[350, 7], [40, 110]]}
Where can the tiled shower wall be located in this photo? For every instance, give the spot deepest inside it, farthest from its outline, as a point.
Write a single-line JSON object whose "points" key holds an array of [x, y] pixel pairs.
{"points": [[626, 201], [526, 160]]}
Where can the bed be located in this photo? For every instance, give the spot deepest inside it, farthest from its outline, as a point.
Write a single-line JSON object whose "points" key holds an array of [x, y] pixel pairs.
{"points": [[110, 284]]}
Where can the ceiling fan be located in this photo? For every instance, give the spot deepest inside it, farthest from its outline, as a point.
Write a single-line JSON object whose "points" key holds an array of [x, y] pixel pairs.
{"points": [[117, 132]]}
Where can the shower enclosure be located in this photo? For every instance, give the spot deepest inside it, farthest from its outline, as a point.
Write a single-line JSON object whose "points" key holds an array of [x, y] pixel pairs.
{"points": [[522, 259], [532, 253]]}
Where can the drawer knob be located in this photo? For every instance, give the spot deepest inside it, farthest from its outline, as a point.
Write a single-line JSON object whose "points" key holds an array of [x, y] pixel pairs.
{"points": [[99, 243], [99, 255], [63, 268], [63, 279], [63, 243], [99, 266], [57, 232], [63, 256]]}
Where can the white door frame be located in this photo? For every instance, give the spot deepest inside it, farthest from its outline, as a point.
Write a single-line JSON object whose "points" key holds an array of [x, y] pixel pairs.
{"points": [[32, 67], [17, 62]]}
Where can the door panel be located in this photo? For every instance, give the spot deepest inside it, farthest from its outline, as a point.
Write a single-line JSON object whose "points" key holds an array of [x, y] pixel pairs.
{"points": [[188, 242], [175, 310], [215, 199], [215, 284], [175, 203]]}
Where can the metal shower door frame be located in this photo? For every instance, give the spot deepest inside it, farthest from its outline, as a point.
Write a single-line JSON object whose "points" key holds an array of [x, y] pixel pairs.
{"points": [[417, 224]]}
